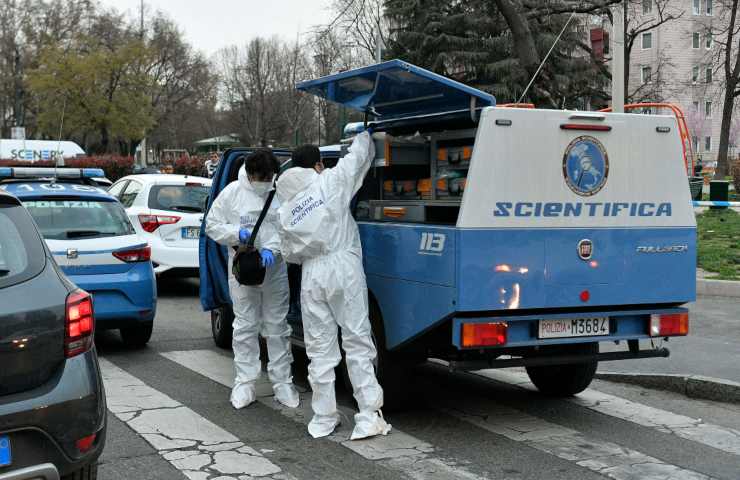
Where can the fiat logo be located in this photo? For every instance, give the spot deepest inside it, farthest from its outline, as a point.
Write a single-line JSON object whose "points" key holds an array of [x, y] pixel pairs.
{"points": [[585, 249]]}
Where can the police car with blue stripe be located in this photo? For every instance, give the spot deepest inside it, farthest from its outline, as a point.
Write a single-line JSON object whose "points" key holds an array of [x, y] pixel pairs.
{"points": [[94, 243]]}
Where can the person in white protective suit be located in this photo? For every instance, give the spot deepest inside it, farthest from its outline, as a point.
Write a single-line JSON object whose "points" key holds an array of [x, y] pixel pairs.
{"points": [[317, 230], [257, 309]]}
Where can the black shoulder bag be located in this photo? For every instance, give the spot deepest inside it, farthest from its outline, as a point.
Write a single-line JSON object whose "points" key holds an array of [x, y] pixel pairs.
{"points": [[247, 267]]}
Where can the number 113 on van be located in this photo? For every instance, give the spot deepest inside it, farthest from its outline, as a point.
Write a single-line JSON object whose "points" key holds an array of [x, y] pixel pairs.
{"points": [[432, 243]]}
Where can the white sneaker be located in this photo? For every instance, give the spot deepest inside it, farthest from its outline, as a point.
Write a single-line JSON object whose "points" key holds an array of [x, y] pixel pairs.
{"points": [[323, 425], [287, 394], [242, 395], [369, 425]]}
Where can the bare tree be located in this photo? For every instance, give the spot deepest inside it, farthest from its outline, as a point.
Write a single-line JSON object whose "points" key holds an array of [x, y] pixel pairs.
{"points": [[363, 23], [726, 34]]}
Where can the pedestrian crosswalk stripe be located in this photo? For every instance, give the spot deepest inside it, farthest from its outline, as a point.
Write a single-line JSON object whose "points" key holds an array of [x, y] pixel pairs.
{"points": [[192, 444], [397, 451], [605, 458], [688, 428]]}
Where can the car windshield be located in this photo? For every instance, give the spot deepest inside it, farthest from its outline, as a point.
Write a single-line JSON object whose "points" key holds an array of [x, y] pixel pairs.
{"points": [[21, 251], [179, 198], [64, 219]]}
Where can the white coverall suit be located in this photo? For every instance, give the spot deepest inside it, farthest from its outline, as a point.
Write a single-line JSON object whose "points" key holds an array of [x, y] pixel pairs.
{"points": [[333, 288], [257, 309]]}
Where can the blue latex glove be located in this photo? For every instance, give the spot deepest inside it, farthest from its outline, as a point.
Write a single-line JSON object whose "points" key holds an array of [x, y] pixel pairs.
{"points": [[370, 130], [244, 235], [268, 259]]}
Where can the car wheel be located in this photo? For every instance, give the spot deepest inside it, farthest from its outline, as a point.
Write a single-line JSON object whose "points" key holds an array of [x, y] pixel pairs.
{"points": [[565, 380], [88, 472], [137, 337], [222, 320]]}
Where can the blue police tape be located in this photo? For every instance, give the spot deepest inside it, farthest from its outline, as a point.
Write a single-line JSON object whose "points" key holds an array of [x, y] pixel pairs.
{"points": [[716, 204]]}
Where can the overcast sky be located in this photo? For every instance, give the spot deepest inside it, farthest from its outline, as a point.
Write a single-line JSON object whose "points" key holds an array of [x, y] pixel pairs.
{"points": [[212, 24]]}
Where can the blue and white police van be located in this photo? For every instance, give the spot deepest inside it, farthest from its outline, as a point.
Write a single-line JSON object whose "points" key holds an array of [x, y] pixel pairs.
{"points": [[93, 242], [500, 237]]}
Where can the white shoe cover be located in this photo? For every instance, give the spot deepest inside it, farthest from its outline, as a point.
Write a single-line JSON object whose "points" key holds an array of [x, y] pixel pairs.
{"points": [[287, 394], [323, 425], [369, 425], [242, 395]]}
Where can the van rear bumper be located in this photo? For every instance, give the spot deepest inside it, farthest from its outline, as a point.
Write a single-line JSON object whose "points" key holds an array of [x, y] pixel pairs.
{"points": [[544, 360], [523, 330]]}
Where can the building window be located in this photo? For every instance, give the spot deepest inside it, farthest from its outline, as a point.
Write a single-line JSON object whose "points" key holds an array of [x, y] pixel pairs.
{"points": [[709, 75], [695, 40], [647, 40], [695, 74], [708, 109], [697, 7], [709, 41], [647, 6], [696, 107], [646, 75], [709, 8], [707, 144], [695, 141]]}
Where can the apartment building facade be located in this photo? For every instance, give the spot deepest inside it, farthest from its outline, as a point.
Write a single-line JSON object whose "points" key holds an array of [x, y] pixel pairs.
{"points": [[677, 62]]}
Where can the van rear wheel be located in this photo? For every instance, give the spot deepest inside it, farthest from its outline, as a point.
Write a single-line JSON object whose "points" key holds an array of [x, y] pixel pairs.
{"points": [[565, 380], [222, 320]]}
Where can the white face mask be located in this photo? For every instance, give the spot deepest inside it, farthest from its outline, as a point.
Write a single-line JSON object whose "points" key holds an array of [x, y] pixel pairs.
{"points": [[261, 188]]}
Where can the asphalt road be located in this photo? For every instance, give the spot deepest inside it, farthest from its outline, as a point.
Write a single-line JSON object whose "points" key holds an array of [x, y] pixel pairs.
{"points": [[170, 418]]}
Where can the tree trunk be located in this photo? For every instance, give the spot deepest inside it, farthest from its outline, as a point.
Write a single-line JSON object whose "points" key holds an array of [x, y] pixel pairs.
{"points": [[104, 139], [724, 135], [526, 51], [18, 90]]}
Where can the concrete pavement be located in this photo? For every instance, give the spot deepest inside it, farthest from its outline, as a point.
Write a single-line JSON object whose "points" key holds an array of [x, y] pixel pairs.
{"points": [[171, 419]]}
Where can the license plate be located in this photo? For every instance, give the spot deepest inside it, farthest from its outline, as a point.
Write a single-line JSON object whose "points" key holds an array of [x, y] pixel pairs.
{"points": [[5, 458], [574, 327], [190, 233]]}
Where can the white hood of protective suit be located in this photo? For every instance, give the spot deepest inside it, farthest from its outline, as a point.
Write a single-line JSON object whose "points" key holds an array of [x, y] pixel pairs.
{"points": [[237, 203], [294, 181]]}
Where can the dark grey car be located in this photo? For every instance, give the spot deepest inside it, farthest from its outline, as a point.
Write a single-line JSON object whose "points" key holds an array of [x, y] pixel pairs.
{"points": [[52, 403]]}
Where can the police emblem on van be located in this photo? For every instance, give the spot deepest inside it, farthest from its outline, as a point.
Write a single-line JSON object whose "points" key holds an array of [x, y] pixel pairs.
{"points": [[585, 249], [585, 166]]}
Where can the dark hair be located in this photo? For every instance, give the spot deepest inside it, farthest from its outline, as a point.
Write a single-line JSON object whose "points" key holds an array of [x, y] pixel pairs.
{"points": [[306, 156], [261, 164]]}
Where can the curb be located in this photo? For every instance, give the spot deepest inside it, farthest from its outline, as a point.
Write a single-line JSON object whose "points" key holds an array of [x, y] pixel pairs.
{"points": [[694, 386], [717, 288]]}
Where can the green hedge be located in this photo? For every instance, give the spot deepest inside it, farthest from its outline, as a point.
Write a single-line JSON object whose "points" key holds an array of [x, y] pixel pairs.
{"points": [[114, 166]]}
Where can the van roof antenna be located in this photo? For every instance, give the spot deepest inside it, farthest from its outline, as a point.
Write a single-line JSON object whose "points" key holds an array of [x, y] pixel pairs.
{"points": [[59, 141], [524, 93]]}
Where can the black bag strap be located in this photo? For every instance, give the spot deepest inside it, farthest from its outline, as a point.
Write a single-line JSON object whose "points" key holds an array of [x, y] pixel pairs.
{"points": [[263, 214]]}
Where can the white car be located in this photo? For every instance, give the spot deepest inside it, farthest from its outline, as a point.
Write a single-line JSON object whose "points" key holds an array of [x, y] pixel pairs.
{"points": [[167, 211]]}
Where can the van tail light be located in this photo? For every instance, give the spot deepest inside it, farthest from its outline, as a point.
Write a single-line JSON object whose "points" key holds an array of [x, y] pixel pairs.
{"points": [[669, 324], [484, 334], [152, 222], [79, 324], [143, 254]]}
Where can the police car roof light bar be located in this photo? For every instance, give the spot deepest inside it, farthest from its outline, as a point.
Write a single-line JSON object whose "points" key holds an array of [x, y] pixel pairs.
{"points": [[31, 172]]}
